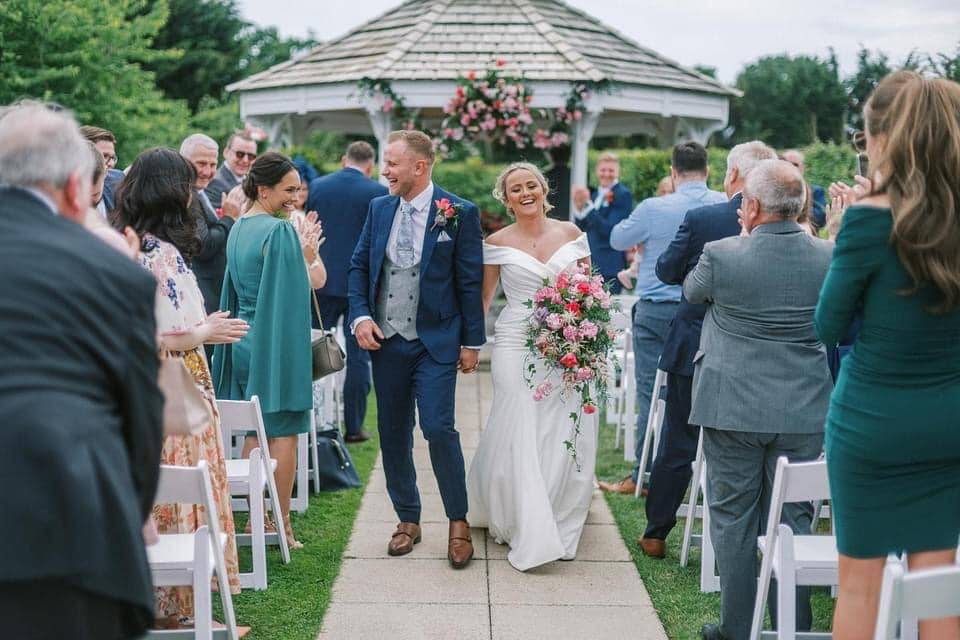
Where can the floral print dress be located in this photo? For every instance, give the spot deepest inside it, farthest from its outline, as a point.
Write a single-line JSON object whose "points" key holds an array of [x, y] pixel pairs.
{"points": [[179, 307]]}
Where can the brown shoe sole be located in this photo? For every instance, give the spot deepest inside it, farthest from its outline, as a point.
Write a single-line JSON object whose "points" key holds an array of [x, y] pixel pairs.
{"points": [[395, 552], [461, 565]]}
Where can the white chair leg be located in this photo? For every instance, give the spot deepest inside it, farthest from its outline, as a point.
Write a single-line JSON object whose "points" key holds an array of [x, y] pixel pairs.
{"points": [[695, 481], [301, 494], [258, 578], [277, 512], [786, 586], [202, 607], [709, 580], [315, 451]]}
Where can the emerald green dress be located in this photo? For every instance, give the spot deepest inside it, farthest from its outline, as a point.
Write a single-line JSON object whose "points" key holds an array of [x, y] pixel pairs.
{"points": [[893, 429], [266, 284]]}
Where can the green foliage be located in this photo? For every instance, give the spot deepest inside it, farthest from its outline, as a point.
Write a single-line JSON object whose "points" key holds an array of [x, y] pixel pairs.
{"points": [[946, 65], [217, 118], [87, 55], [788, 102], [871, 68], [826, 163]]}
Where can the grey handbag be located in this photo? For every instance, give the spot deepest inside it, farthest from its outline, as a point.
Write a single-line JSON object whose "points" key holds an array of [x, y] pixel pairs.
{"points": [[327, 355]]}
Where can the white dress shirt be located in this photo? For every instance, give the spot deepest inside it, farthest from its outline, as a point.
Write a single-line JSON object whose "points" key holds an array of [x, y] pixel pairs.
{"points": [[421, 211]]}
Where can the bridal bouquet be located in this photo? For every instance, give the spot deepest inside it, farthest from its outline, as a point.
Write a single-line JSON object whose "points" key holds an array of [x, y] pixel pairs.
{"points": [[570, 331]]}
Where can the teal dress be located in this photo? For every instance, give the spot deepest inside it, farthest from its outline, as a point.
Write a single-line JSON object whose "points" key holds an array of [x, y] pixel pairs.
{"points": [[266, 284], [893, 429]]}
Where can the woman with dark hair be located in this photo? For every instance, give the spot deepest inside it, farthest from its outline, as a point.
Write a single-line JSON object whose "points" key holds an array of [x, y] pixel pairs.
{"points": [[271, 267], [153, 201], [893, 433]]}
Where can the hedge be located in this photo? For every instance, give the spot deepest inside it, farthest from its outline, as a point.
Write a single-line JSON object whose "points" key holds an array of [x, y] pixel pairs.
{"points": [[640, 169]]}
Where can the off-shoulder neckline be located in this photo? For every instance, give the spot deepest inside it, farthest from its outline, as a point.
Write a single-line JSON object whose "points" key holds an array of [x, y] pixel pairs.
{"points": [[534, 258]]}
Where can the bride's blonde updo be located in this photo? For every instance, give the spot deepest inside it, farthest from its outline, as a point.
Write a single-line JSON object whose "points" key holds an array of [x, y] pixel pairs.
{"points": [[500, 187]]}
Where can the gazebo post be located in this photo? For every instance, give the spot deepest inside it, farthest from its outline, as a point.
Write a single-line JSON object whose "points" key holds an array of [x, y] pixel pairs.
{"points": [[382, 124], [583, 130]]}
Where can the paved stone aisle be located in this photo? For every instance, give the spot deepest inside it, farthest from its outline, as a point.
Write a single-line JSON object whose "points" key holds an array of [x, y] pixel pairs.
{"points": [[419, 597]]}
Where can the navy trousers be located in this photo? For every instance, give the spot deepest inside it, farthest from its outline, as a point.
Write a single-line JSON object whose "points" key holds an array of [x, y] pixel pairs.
{"points": [[404, 374], [356, 386], [671, 472]]}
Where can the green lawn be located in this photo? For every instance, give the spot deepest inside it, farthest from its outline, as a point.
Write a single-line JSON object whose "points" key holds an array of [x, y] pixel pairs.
{"points": [[293, 605], [675, 591]]}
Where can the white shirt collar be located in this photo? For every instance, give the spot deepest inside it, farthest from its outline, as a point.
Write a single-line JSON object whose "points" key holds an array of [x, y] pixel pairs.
{"points": [[421, 202]]}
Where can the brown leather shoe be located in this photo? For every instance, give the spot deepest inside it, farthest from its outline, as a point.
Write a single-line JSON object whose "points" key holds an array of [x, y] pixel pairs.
{"points": [[652, 547], [403, 539], [626, 486], [460, 549]]}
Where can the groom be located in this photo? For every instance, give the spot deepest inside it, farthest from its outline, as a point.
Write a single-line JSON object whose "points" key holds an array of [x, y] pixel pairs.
{"points": [[415, 304]]}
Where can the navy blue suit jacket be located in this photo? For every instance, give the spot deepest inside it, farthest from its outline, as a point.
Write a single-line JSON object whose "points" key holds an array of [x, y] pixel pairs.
{"points": [[700, 226], [599, 223], [110, 185], [341, 199], [450, 313]]}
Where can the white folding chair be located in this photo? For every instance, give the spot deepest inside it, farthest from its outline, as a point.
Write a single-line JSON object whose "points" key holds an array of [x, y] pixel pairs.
{"points": [[191, 559], [300, 499], [795, 560], [627, 418], [651, 437], [691, 511], [251, 478], [917, 595]]}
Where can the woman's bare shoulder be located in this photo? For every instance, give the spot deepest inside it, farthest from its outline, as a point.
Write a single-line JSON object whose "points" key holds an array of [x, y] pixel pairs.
{"points": [[501, 237]]}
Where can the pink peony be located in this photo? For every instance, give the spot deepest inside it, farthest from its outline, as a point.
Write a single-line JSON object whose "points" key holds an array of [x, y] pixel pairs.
{"points": [[570, 333], [588, 329], [583, 287], [554, 321], [573, 307], [584, 373]]}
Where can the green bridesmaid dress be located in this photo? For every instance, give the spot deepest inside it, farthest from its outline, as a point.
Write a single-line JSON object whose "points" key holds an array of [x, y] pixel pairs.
{"points": [[266, 284], [893, 429]]}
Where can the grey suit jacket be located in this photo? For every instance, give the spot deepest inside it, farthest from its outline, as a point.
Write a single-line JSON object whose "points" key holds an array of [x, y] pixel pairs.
{"points": [[760, 366], [222, 183]]}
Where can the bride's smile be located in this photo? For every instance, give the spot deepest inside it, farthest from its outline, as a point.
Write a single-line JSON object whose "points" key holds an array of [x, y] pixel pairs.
{"points": [[524, 194]]}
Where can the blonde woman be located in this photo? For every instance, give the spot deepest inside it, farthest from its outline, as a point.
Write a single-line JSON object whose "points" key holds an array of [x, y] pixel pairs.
{"points": [[523, 485], [892, 434]]}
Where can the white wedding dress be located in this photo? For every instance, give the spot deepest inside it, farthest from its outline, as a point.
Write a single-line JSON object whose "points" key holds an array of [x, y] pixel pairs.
{"points": [[523, 485]]}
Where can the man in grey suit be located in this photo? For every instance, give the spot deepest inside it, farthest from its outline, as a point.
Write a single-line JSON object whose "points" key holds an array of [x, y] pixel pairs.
{"points": [[238, 156], [761, 385]]}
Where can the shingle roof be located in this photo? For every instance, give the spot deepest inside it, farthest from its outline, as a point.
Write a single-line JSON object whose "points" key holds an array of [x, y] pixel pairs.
{"points": [[440, 39]]}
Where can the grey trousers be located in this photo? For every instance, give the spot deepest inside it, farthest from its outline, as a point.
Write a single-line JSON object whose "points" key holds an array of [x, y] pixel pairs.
{"points": [[740, 470]]}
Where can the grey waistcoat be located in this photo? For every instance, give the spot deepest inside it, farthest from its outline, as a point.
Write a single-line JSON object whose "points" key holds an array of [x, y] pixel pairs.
{"points": [[398, 299]]}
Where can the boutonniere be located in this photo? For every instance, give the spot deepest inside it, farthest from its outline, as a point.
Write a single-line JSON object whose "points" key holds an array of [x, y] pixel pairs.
{"points": [[609, 197], [447, 212]]}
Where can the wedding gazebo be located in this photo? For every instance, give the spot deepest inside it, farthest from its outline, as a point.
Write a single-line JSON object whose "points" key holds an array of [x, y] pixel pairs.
{"points": [[421, 47]]}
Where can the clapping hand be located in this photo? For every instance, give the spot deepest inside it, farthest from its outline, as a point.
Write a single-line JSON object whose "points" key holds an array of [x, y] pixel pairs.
{"points": [[310, 231], [234, 203], [220, 328], [581, 196]]}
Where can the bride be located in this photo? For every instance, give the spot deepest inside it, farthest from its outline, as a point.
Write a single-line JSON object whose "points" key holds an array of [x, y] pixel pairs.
{"points": [[523, 485]]}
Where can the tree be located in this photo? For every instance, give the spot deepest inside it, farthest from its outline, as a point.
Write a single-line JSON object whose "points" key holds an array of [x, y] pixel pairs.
{"points": [[871, 68], [88, 56], [790, 102], [946, 65]]}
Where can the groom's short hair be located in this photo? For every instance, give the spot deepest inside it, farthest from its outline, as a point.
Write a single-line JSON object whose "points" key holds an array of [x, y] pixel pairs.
{"points": [[418, 142]]}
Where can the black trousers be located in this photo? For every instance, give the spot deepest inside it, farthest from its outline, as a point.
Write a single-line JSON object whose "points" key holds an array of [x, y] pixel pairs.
{"points": [[671, 472]]}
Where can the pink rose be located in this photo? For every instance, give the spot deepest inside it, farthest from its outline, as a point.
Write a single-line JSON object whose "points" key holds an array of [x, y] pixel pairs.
{"points": [[589, 408], [570, 333], [583, 287], [588, 329], [573, 307], [554, 321], [569, 361]]}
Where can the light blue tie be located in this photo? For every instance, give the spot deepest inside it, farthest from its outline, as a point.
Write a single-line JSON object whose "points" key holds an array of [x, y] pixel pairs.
{"points": [[405, 255]]}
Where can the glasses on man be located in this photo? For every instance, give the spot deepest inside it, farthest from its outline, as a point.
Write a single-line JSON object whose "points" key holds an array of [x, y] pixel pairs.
{"points": [[109, 159], [245, 154], [859, 141]]}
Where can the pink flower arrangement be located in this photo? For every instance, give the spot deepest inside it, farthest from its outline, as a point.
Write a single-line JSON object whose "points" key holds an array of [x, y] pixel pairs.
{"points": [[570, 335]]}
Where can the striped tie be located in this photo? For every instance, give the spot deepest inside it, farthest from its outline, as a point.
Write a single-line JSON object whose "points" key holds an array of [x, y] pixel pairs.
{"points": [[405, 256]]}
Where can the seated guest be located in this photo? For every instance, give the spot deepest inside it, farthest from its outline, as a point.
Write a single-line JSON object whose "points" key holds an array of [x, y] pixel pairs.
{"points": [[106, 144], [652, 225], [892, 437], [761, 383], [80, 410], [671, 471], [341, 199], [598, 210], [153, 200], [210, 261], [238, 155]]}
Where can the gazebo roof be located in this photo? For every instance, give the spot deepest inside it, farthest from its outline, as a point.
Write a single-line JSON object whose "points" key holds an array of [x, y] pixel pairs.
{"points": [[546, 40]]}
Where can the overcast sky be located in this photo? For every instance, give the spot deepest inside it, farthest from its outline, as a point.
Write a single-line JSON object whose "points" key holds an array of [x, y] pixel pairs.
{"points": [[726, 35]]}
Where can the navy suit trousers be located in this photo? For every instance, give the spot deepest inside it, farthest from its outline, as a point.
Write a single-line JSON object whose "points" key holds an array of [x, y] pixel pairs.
{"points": [[404, 374], [356, 385], [671, 472]]}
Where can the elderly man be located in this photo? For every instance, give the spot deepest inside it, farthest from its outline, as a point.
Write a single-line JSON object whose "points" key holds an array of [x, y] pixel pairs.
{"points": [[671, 471], [652, 225], [80, 411], [598, 211], [341, 201], [819, 204], [209, 265], [761, 385], [238, 156]]}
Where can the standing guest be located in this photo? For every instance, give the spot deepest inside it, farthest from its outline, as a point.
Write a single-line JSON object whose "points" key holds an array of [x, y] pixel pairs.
{"points": [[652, 225], [210, 262], [818, 201], [303, 194], [893, 442], [597, 211], [106, 144], [239, 154], [634, 255], [760, 384], [153, 201], [99, 175], [79, 367], [342, 199], [558, 177], [671, 471], [267, 284]]}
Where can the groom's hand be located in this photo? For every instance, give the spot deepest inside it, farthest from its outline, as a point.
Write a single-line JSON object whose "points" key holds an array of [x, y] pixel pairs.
{"points": [[468, 360], [367, 333]]}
